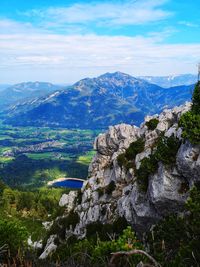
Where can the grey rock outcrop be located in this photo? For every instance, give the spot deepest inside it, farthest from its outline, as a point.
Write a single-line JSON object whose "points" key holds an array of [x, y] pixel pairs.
{"points": [[112, 191]]}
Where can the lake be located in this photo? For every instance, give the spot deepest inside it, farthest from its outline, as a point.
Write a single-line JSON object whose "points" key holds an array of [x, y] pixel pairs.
{"points": [[69, 183]]}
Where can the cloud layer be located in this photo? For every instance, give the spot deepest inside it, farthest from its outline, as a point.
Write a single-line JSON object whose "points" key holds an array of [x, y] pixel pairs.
{"points": [[92, 54], [57, 44], [118, 13]]}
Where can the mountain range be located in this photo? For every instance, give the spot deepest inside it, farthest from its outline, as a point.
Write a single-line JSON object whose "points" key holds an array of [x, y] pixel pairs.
{"points": [[170, 81], [96, 103], [24, 91]]}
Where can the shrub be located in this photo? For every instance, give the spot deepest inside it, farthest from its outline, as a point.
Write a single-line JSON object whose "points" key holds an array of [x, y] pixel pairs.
{"points": [[134, 149], [100, 191], [127, 158], [190, 123], [196, 99], [98, 230], [176, 240], [167, 149], [14, 235], [121, 160], [61, 224], [152, 124], [97, 252], [110, 188], [102, 231], [148, 166], [79, 197]]}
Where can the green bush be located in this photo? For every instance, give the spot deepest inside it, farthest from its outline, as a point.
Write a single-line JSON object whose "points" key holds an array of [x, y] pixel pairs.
{"points": [[61, 224], [190, 122], [121, 160], [148, 166], [79, 197], [14, 235], [110, 188], [152, 124], [196, 99], [134, 149], [175, 241], [103, 231], [167, 149], [97, 252], [165, 152], [127, 158]]}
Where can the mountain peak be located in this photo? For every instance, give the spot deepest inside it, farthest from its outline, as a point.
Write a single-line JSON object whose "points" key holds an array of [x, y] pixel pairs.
{"points": [[117, 74]]}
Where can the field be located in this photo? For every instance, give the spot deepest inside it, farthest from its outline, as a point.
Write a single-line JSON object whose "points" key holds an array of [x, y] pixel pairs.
{"points": [[31, 156]]}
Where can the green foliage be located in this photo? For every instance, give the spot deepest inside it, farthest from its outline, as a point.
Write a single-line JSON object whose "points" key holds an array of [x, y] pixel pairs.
{"points": [[2, 187], [61, 224], [110, 188], [96, 252], [190, 122], [25, 201], [107, 189], [196, 99], [14, 235], [152, 124], [121, 160], [134, 149], [167, 149], [79, 197], [103, 231], [148, 166], [127, 158], [176, 240]]}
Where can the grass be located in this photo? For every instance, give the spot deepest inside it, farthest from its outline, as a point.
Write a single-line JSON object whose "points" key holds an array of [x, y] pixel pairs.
{"points": [[87, 158], [6, 159], [38, 156], [34, 227]]}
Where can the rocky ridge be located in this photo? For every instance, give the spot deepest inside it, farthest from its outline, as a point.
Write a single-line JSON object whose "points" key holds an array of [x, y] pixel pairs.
{"points": [[113, 191]]}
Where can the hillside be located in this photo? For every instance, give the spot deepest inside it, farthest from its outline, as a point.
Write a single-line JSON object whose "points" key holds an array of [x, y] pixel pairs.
{"points": [[97, 103]]}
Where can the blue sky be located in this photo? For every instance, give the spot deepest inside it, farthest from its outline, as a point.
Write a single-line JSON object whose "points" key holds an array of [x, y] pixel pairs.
{"points": [[63, 41]]}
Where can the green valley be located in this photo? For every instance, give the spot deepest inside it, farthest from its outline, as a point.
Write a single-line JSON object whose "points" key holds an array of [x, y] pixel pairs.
{"points": [[31, 156]]}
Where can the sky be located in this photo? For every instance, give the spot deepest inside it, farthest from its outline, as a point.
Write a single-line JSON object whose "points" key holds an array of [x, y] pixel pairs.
{"points": [[62, 41]]}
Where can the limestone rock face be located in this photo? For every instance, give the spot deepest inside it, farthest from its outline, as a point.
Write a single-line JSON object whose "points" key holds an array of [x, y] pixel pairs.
{"points": [[165, 190], [112, 191], [49, 248], [68, 200], [188, 162]]}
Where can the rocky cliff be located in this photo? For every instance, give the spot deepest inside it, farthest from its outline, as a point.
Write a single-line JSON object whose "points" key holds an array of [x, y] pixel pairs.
{"points": [[141, 174]]}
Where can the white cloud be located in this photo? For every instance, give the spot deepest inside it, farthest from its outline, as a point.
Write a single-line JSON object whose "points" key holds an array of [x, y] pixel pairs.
{"points": [[188, 24], [119, 13], [67, 58]]}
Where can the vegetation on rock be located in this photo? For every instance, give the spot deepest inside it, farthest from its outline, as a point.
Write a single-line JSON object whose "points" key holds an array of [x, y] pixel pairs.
{"points": [[167, 149], [152, 124], [97, 252], [148, 166], [175, 241], [127, 158], [190, 121]]}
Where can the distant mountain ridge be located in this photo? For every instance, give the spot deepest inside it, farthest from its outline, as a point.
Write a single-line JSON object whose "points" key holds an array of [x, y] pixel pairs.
{"points": [[25, 91], [172, 80], [97, 103], [4, 86]]}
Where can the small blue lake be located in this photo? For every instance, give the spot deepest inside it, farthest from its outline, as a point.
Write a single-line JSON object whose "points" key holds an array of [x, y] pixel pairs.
{"points": [[70, 183]]}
